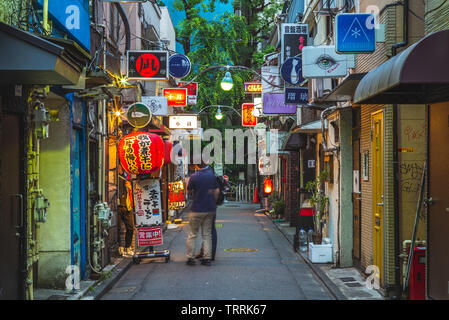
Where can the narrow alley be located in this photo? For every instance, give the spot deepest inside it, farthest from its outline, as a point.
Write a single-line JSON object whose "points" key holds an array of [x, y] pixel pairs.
{"points": [[253, 262]]}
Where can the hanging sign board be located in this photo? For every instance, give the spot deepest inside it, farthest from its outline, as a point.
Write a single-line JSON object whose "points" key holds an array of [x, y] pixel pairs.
{"points": [[355, 33], [248, 118], [273, 103], [253, 87], [323, 62], [147, 200], [176, 195], [183, 122], [179, 65], [296, 95], [147, 65], [192, 91], [291, 71], [158, 105], [138, 114], [293, 39], [176, 97], [271, 80], [149, 236]]}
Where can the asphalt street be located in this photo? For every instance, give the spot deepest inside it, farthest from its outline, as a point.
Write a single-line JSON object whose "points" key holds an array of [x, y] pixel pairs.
{"points": [[254, 261]]}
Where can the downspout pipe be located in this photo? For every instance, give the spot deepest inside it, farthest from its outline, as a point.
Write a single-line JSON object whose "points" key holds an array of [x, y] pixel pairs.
{"points": [[126, 24], [397, 243]]}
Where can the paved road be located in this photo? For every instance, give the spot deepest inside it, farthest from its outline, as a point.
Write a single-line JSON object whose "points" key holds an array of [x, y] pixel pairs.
{"points": [[271, 272]]}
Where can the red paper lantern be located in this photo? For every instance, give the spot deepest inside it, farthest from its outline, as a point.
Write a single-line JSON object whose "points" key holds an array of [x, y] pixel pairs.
{"points": [[141, 152], [168, 151]]}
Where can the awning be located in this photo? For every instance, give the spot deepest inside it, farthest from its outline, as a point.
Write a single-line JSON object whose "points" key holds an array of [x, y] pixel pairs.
{"points": [[345, 90], [311, 127], [28, 59], [418, 75], [295, 141]]}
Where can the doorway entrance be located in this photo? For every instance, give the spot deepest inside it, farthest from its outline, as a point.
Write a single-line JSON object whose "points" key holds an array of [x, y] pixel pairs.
{"points": [[377, 128], [438, 214]]}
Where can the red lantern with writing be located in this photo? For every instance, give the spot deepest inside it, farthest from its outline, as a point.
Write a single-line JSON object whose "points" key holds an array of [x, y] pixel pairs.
{"points": [[141, 152]]}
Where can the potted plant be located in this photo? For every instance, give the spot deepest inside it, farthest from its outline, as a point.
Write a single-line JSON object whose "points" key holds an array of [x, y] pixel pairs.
{"points": [[319, 201]]}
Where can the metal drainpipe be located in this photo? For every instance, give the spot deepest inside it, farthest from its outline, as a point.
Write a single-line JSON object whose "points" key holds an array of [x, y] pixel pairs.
{"points": [[126, 24], [397, 244]]}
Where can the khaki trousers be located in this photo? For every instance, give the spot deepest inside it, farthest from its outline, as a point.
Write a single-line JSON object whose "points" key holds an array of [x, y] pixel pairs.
{"points": [[199, 220]]}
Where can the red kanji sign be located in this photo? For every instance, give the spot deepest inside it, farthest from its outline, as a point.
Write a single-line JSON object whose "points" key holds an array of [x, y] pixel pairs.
{"points": [[151, 236], [248, 118], [176, 96], [192, 88], [147, 65]]}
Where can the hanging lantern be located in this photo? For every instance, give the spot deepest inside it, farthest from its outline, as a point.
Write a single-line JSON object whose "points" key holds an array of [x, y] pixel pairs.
{"points": [[168, 151], [141, 152], [267, 186]]}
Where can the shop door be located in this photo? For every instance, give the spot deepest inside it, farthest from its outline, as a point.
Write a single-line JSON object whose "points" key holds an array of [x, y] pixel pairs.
{"points": [[377, 185], [11, 208], [438, 218], [356, 201], [76, 199]]}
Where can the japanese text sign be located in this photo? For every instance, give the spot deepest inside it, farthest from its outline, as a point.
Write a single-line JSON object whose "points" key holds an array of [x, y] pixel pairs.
{"points": [[176, 96], [149, 236], [147, 65], [293, 39], [273, 103], [248, 118], [147, 200], [295, 95], [176, 195]]}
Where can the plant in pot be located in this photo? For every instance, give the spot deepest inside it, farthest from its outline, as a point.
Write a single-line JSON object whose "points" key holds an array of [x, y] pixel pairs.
{"points": [[279, 207], [319, 201]]}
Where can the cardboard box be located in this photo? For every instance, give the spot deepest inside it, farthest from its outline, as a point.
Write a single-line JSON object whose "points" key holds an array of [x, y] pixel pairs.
{"points": [[320, 253]]}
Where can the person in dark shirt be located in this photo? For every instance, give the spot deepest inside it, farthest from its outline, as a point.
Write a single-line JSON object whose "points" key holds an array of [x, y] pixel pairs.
{"points": [[202, 212]]}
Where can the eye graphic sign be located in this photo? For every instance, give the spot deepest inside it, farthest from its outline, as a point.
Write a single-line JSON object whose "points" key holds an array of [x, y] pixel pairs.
{"points": [[323, 62], [355, 33], [147, 65]]}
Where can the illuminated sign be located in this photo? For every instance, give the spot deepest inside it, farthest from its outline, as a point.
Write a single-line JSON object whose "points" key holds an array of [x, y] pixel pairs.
{"points": [[176, 195], [176, 96], [147, 65], [147, 202], [248, 118], [183, 122], [192, 91], [253, 87]]}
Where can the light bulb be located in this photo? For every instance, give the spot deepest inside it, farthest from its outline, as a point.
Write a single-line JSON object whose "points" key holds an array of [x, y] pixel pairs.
{"points": [[227, 83]]}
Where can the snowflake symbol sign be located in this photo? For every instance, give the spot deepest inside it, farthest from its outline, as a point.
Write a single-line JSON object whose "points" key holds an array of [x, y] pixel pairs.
{"points": [[356, 32]]}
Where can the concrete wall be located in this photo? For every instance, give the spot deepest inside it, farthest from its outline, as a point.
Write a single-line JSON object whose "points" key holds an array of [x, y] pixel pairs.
{"points": [[53, 236]]}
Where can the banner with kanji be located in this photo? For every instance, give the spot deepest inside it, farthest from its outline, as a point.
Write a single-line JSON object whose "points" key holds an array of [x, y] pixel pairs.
{"points": [[147, 200], [149, 236]]}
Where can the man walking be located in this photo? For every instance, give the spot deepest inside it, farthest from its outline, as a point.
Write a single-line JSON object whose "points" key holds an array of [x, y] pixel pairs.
{"points": [[202, 212]]}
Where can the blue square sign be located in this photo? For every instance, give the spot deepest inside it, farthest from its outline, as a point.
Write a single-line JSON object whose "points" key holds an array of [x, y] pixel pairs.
{"points": [[355, 33]]}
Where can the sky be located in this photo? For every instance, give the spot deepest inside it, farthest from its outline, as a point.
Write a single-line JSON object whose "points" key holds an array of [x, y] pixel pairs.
{"points": [[177, 16]]}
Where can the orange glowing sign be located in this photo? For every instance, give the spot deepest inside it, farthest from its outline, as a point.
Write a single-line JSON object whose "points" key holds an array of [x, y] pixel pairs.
{"points": [[248, 118], [176, 96], [253, 87], [268, 186]]}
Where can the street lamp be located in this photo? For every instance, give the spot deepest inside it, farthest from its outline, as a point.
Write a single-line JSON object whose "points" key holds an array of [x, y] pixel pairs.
{"points": [[226, 82], [219, 115]]}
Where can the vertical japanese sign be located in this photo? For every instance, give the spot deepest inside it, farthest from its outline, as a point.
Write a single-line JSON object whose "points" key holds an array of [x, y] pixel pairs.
{"points": [[147, 200], [149, 236], [293, 39], [147, 65], [248, 118], [192, 91], [176, 195]]}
